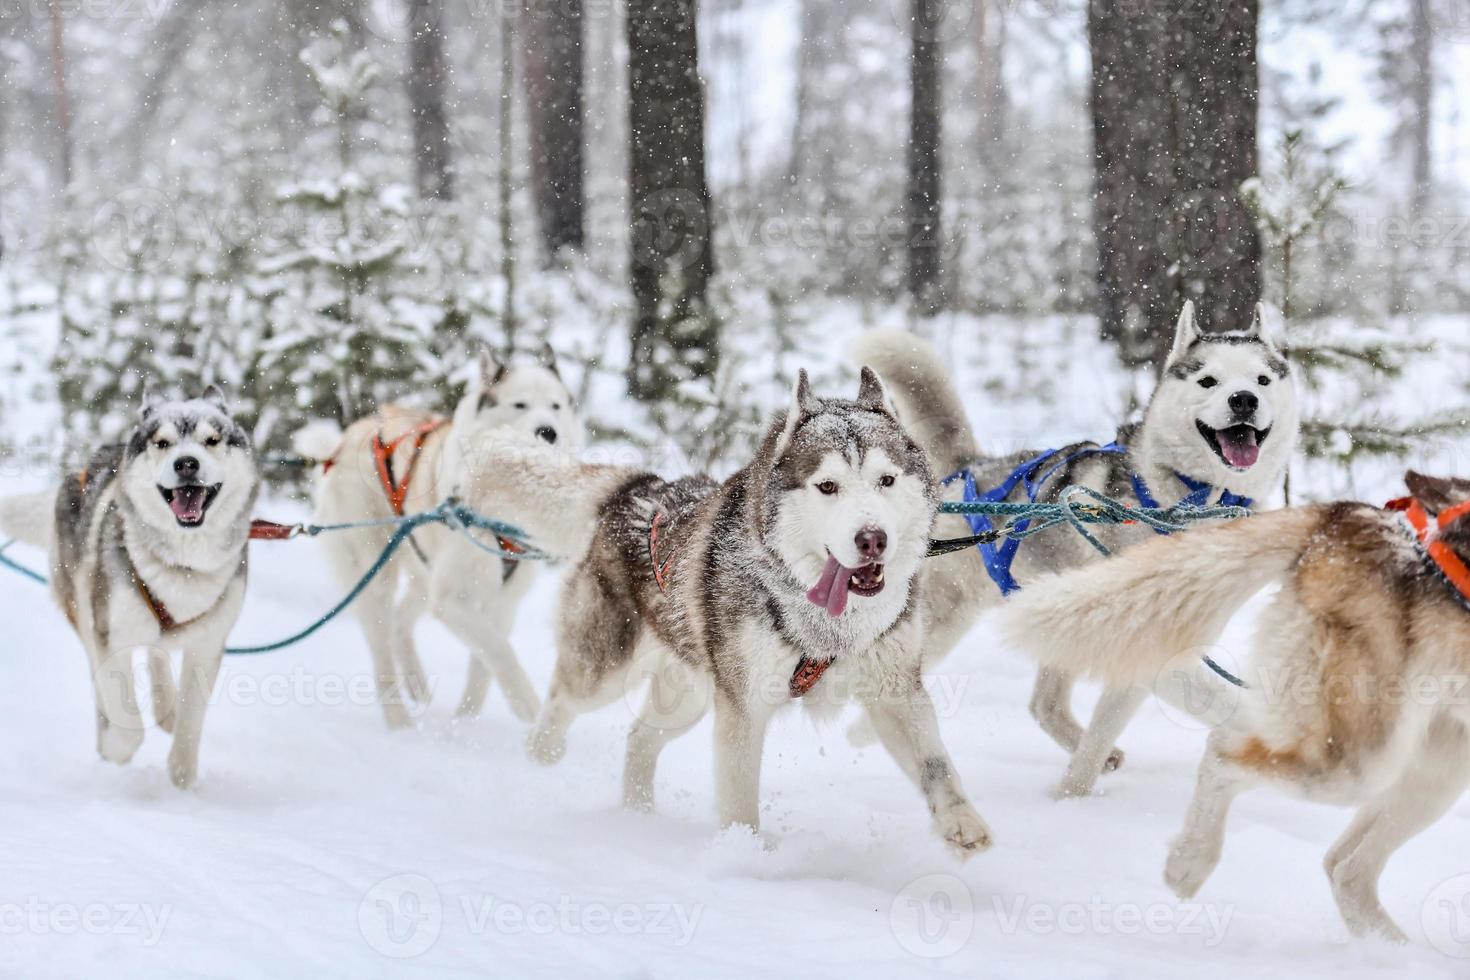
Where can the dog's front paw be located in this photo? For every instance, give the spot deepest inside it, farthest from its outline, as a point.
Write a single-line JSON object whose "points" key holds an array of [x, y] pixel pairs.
{"points": [[1114, 761], [118, 743], [1189, 865], [183, 768], [545, 747], [963, 830]]}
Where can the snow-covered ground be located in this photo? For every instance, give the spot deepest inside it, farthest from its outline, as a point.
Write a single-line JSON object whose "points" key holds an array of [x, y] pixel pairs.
{"points": [[318, 843]]}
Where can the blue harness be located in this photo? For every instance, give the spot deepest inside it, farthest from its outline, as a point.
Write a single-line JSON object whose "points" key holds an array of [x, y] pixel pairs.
{"points": [[999, 557]]}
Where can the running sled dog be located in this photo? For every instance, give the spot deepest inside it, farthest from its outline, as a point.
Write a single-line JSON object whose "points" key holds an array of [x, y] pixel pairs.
{"points": [[148, 550], [1357, 687], [795, 579], [399, 462], [1219, 429]]}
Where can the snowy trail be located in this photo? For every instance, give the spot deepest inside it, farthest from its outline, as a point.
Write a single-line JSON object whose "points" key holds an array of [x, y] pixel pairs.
{"points": [[319, 841]]}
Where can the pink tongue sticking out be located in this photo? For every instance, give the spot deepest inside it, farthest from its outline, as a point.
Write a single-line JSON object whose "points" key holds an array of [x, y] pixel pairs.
{"points": [[1239, 446], [187, 504], [830, 592]]}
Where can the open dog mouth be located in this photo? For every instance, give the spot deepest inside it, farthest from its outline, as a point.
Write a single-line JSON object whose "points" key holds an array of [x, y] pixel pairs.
{"points": [[189, 502], [1239, 446], [838, 580]]}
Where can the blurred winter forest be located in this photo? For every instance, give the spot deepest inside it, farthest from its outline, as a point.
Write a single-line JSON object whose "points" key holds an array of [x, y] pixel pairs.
{"points": [[327, 204]]}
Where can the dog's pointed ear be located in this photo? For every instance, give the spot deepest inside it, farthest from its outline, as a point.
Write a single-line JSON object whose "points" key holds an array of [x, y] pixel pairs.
{"points": [[1436, 493], [1186, 332], [151, 398], [1262, 327], [492, 368], [871, 394], [546, 357], [803, 403], [215, 397]]}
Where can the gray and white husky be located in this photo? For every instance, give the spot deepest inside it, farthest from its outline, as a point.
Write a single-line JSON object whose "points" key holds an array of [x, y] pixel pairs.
{"points": [[795, 579], [441, 571], [148, 550], [1220, 427]]}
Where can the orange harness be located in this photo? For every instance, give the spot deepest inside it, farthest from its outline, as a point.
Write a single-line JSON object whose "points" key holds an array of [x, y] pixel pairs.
{"points": [[383, 459], [1450, 565]]}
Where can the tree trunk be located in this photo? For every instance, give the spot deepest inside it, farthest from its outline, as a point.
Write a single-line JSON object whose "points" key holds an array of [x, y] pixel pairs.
{"points": [[674, 336], [990, 38], [63, 94], [432, 156], [1422, 91], [509, 318], [553, 78], [1174, 102], [923, 156]]}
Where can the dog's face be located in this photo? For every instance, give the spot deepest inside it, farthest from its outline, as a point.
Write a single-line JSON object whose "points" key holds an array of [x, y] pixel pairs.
{"points": [[1226, 408], [850, 499], [186, 461], [530, 400]]}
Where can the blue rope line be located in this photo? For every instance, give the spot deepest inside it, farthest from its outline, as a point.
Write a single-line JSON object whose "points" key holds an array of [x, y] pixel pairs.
{"points": [[11, 563], [452, 514]]}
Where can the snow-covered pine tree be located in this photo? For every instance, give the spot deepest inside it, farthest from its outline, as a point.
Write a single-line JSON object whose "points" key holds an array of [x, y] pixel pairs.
{"points": [[333, 345], [1294, 204]]}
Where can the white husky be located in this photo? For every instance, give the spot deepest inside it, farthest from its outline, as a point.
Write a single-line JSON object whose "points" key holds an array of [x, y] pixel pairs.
{"points": [[1220, 428], [400, 461], [147, 550]]}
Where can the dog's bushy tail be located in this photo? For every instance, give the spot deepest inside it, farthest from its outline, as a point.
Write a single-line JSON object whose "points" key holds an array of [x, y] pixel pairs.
{"points": [[318, 441], [29, 517], [550, 494], [1123, 620], [928, 404]]}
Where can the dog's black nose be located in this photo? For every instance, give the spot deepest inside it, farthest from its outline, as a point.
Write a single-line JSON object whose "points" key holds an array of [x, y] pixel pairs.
{"points": [[186, 467], [1244, 404], [871, 543], [546, 432]]}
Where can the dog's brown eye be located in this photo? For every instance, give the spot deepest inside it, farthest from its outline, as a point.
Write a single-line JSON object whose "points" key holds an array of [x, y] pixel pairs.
{"points": [[212, 441], [162, 444], [1263, 381], [887, 480], [827, 487], [1207, 382]]}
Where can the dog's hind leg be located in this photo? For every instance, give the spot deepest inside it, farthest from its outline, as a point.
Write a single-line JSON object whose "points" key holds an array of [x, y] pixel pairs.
{"points": [[1196, 851], [476, 687], [1429, 786], [120, 721], [1051, 706], [1095, 754], [161, 685], [405, 652], [381, 637], [677, 699], [595, 643], [909, 729]]}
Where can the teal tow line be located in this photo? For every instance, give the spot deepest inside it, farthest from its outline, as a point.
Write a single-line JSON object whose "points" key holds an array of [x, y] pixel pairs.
{"points": [[451, 514], [1080, 506]]}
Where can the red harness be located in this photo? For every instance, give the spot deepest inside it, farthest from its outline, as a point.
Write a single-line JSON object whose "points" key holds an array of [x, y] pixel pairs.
{"points": [[1450, 565]]}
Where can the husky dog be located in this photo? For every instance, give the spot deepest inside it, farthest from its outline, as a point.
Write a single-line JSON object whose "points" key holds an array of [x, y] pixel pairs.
{"points": [[404, 461], [794, 579], [1357, 693], [148, 549], [1220, 428]]}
